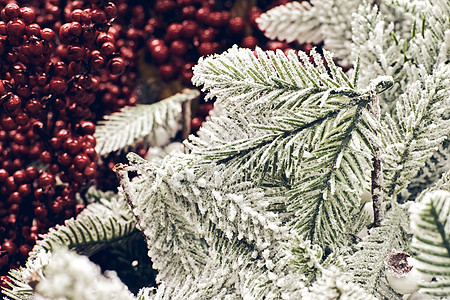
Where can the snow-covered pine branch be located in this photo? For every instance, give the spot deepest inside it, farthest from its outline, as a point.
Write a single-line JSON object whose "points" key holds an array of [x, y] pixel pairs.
{"points": [[105, 221], [301, 124], [68, 275], [366, 266], [184, 211], [430, 223], [313, 22], [155, 123], [421, 127]]}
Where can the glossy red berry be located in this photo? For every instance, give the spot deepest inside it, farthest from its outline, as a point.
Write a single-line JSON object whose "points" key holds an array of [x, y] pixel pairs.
{"points": [[12, 10], [46, 179], [107, 48], [27, 14], [15, 28], [117, 65], [98, 16], [87, 127], [47, 34], [81, 161], [110, 10], [58, 85], [40, 212], [173, 32], [160, 53], [64, 159]]}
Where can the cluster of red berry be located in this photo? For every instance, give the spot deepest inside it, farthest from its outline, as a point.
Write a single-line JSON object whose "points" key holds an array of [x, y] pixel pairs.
{"points": [[51, 78]]}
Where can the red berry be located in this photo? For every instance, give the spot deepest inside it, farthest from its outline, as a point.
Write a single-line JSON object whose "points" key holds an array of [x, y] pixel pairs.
{"points": [[117, 66], [81, 161], [10, 184], [110, 10], [164, 6], [20, 176], [103, 38], [2, 28], [208, 34], [12, 10], [16, 28], [33, 29], [58, 85], [167, 72], [40, 212], [75, 29], [89, 172], [15, 198], [10, 247], [76, 15], [56, 207], [24, 250], [98, 62], [188, 12], [203, 14], [196, 123], [46, 179], [249, 42], [89, 141], [205, 48], [160, 53], [189, 29], [64, 159], [178, 48], [27, 14], [79, 208], [47, 34], [25, 190], [236, 25], [12, 104], [107, 48], [7, 123], [73, 146], [3, 175], [32, 173], [154, 42], [173, 31], [98, 16], [46, 157], [88, 127]]}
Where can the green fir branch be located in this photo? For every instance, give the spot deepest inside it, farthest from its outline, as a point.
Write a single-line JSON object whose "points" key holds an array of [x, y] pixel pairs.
{"points": [[366, 265], [155, 123], [430, 223], [312, 131], [101, 223], [421, 127]]}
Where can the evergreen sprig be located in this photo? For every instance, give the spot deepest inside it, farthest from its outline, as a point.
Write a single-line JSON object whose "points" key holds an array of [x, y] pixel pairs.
{"points": [[313, 131], [430, 223], [103, 222], [420, 128], [366, 263], [155, 123]]}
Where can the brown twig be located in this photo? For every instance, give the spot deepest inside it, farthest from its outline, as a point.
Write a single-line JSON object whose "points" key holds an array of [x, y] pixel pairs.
{"points": [[377, 172]]}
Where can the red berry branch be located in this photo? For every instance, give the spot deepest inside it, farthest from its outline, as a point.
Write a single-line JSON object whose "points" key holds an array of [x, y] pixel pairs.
{"points": [[51, 79]]}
